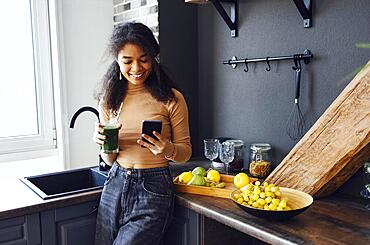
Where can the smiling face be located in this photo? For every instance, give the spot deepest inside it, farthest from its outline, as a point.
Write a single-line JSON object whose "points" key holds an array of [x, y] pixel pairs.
{"points": [[134, 63]]}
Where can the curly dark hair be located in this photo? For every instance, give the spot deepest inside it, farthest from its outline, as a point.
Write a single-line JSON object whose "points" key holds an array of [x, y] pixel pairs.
{"points": [[113, 90]]}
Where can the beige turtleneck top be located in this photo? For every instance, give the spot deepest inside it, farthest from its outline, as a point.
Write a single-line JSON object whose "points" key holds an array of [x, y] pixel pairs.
{"points": [[139, 105]]}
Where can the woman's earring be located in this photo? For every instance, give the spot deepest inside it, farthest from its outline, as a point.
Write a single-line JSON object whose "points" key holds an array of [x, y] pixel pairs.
{"points": [[120, 75]]}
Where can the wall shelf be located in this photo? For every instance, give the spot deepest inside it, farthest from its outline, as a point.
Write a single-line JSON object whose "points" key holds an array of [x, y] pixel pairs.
{"points": [[231, 20], [304, 7]]}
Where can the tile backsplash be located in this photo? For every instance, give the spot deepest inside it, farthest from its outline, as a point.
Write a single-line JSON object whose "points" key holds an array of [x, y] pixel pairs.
{"points": [[144, 11]]}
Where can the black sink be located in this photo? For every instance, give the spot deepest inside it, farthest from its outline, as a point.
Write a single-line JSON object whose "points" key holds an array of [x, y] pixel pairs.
{"points": [[64, 183]]}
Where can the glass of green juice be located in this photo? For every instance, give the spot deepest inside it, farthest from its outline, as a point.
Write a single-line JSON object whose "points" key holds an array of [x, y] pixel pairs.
{"points": [[110, 130]]}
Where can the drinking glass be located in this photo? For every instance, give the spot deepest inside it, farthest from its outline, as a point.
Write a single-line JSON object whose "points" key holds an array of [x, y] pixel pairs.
{"points": [[367, 175], [211, 149], [226, 153], [111, 141], [366, 192]]}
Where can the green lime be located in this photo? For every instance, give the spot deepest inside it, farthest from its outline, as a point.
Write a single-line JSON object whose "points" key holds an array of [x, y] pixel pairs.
{"points": [[197, 180], [199, 171]]}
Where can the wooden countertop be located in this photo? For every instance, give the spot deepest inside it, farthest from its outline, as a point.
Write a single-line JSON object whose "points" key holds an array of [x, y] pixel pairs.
{"points": [[328, 221]]}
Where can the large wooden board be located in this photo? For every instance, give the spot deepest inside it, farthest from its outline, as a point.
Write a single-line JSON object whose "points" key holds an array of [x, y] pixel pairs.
{"points": [[210, 191], [335, 147]]}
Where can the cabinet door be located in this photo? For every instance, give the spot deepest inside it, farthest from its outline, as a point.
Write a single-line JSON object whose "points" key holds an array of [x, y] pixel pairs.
{"points": [[184, 228], [72, 225], [21, 230]]}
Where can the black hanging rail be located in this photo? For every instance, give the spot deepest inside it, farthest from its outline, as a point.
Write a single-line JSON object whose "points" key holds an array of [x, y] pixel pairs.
{"points": [[305, 56]]}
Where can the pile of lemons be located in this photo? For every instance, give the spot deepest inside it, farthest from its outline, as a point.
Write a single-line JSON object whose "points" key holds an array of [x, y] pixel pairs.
{"points": [[262, 196]]}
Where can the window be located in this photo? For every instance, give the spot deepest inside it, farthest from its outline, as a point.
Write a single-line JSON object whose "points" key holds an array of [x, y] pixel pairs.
{"points": [[26, 89]]}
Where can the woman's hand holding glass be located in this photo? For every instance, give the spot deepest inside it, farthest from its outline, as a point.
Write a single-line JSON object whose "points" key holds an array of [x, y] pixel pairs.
{"points": [[226, 154], [98, 135], [211, 149]]}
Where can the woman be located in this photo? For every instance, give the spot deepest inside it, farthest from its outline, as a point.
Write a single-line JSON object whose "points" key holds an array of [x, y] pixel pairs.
{"points": [[137, 200]]}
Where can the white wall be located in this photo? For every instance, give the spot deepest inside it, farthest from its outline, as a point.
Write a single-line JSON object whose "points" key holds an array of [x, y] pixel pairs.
{"points": [[86, 25]]}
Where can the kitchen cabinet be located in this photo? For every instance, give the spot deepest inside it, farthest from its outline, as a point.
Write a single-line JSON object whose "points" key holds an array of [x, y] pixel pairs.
{"points": [[184, 228], [21, 230], [71, 225], [215, 233], [75, 225]]}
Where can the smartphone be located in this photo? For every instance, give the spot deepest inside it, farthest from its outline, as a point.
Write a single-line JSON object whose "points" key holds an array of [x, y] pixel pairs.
{"points": [[149, 126]]}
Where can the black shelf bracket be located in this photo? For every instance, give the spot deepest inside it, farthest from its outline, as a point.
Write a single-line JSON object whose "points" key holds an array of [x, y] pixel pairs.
{"points": [[305, 9], [232, 19]]}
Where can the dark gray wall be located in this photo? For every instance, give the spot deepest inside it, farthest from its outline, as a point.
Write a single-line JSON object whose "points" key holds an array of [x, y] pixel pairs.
{"points": [[179, 54], [254, 106]]}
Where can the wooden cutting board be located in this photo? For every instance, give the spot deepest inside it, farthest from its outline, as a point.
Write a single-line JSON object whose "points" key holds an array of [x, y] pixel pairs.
{"points": [[210, 191], [335, 147]]}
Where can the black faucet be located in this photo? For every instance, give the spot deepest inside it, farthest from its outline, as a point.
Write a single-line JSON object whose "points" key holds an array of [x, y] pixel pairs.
{"points": [[102, 165], [79, 111]]}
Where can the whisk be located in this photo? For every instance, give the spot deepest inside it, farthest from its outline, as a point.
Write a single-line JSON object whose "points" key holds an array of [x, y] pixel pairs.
{"points": [[296, 125]]}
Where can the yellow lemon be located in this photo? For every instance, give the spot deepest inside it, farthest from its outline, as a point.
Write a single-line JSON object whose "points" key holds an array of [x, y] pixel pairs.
{"points": [[240, 180], [185, 177], [213, 175]]}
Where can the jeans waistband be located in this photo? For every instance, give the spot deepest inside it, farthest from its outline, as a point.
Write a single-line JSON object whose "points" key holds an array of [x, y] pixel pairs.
{"points": [[138, 173]]}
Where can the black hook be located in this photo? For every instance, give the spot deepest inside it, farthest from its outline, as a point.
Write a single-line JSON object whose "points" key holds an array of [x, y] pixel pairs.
{"points": [[268, 64], [246, 65], [297, 62]]}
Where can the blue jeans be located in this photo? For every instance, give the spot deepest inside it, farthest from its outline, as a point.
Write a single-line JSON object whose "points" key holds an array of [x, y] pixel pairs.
{"points": [[136, 206]]}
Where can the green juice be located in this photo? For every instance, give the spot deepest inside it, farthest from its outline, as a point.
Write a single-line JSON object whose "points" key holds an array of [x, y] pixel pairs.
{"points": [[111, 141]]}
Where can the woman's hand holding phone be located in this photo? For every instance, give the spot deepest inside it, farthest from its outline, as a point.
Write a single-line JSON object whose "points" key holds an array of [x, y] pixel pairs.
{"points": [[157, 146], [152, 138]]}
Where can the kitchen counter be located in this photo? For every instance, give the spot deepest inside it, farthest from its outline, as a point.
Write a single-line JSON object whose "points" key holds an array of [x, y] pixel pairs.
{"points": [[17, 199], [332, 220]]}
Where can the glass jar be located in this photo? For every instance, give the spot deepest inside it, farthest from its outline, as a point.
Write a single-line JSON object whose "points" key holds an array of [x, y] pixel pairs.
{"points": [[367, 175], [237, 164], [260, 160], [365, 192]]}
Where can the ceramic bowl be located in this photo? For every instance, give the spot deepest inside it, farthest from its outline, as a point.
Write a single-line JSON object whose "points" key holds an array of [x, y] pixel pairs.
{"points": [[298, 201]]}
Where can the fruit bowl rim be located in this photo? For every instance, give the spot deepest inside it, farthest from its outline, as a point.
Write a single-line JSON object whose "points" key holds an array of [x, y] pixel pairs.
{"points": [[304, 207]]}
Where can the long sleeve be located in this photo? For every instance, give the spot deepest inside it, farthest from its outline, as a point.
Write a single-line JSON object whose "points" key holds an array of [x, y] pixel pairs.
{"points": [[140, 105], [179, 118]]}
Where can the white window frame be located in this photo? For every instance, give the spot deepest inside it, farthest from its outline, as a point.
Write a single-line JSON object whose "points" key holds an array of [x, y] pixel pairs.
{"points": [[45, 140]]}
